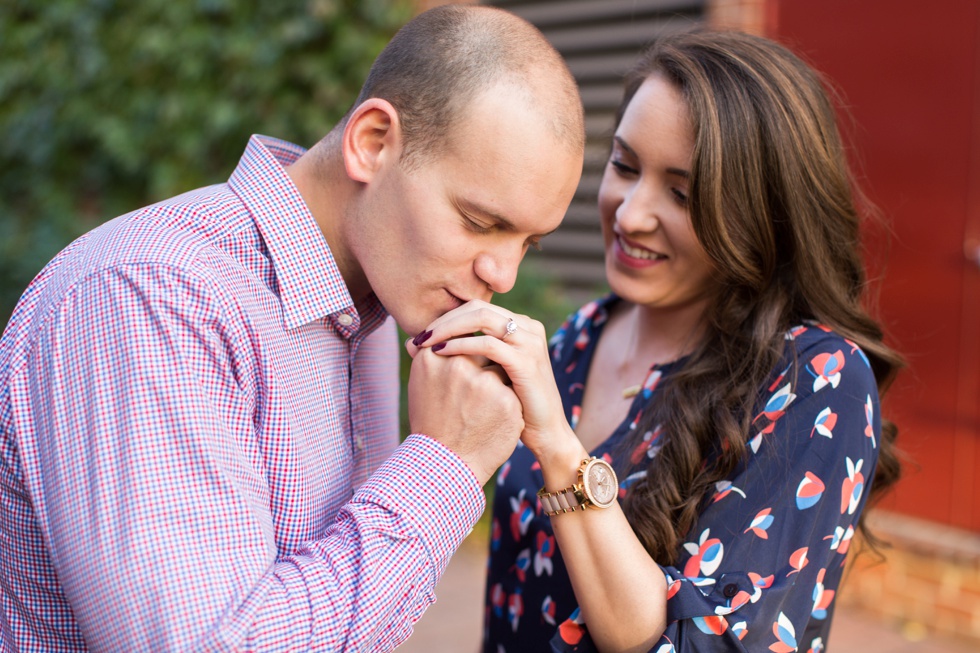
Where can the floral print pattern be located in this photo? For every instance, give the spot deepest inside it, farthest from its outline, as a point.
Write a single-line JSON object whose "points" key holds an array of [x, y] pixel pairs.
{"points": [[761, 567]]}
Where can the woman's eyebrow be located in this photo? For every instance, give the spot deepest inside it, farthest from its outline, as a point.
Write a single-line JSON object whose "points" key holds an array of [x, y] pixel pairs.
{"points": [[680, 172], [625, 146]]}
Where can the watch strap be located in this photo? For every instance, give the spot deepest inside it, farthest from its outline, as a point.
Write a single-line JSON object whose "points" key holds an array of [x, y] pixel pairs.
{"points": [[568, 500]]}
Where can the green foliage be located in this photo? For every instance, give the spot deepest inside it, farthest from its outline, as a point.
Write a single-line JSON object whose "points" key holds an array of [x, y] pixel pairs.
{"points": [[106, 106]]}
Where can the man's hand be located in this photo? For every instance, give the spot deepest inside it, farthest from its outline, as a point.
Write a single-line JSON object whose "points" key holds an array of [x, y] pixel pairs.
{"points": [[464, 403], [518, 345]]}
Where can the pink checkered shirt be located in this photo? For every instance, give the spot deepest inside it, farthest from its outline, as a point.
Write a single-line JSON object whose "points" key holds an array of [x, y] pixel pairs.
{"points": [[192, 419]]}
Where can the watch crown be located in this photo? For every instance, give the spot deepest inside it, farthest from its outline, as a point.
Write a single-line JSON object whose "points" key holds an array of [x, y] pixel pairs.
{"points": [[597, 487]]}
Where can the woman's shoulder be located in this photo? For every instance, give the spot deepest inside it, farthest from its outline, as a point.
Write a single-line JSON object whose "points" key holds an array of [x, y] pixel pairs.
{"points": [[824, 358], [580, 325], [813, 338]]}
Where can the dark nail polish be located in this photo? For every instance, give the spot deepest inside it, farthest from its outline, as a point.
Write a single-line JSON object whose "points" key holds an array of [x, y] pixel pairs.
{"points": [[420, 338], [439, 346]]}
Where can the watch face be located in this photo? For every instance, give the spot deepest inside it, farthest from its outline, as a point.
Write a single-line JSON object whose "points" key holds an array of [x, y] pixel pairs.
{"points": [[600, 483]]}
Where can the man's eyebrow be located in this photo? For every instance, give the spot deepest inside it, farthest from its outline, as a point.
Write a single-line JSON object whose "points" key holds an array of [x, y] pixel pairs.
{"points": [[680, 172], [471, 207]]}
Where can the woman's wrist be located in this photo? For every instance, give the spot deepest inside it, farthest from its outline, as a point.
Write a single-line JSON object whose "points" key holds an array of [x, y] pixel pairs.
{"points": [[561, 459]]}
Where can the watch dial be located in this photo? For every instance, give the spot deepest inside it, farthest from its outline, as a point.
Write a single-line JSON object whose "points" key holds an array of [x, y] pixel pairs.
{"points": [[602, 483]]}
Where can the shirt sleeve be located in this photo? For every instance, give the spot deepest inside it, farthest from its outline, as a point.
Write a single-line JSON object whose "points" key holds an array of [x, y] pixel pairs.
{"points": [[761, 567], [148, 501]]}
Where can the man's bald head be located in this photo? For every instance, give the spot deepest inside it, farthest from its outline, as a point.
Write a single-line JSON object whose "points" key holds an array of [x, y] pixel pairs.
{"points": [[448, 56]]}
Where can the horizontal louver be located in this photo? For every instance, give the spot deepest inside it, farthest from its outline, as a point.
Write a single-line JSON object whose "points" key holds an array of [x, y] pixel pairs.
{"points": [[600, 40]]}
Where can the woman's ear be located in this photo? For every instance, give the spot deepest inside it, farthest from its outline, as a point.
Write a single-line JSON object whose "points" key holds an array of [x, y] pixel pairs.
{"points": [[372, 139]]}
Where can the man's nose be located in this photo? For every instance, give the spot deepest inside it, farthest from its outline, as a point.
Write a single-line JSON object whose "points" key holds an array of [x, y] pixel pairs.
{"points": [[498, 267]]}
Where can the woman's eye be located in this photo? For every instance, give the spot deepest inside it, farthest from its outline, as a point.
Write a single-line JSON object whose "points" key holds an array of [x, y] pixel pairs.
{"points": [[680, 196], [622, 168]]}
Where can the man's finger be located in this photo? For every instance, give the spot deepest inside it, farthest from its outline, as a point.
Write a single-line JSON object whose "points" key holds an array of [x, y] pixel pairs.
{"points": [[499, 372]]}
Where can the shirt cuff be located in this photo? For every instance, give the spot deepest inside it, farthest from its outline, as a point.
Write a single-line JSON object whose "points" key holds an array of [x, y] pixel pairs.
{"points": [[690, 598], [431, 487]]}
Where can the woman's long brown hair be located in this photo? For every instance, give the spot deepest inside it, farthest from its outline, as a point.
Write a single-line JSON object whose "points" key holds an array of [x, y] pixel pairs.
{"points": [[773, 203]]}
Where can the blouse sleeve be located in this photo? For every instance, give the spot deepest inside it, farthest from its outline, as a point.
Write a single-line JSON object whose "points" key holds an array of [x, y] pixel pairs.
{"points": [[761, 567]]}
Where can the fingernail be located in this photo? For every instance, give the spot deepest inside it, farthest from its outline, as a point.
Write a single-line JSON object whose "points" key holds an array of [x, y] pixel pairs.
{"points": [[438, 347], [422, 337]]}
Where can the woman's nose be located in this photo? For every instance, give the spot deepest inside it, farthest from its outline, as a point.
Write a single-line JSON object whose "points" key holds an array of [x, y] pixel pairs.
{"points": [[638, 210]]}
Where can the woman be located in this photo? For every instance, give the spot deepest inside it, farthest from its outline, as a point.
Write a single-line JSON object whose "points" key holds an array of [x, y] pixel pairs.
{"points": [[731, 380]]}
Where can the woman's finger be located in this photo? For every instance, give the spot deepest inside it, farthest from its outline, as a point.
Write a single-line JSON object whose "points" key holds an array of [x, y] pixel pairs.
{"points": [[476, 317], [520, 363]]}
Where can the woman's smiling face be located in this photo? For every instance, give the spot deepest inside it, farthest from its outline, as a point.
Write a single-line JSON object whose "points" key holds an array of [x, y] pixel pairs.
{"points": [[653, 256]]}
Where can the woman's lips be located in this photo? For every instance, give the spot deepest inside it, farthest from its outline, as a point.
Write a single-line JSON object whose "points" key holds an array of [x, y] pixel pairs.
{"points": [[634, 255]]}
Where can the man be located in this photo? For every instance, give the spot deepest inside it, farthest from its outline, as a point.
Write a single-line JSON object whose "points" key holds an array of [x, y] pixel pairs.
{"points": [[195, 397]]}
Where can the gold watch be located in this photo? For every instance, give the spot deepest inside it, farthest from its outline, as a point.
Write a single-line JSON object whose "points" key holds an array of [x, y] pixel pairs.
{"points": [[597, 487]]}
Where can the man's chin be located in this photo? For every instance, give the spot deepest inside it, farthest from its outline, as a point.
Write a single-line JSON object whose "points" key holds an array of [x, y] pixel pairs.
{"points": [[413, 319], [413, 323]]}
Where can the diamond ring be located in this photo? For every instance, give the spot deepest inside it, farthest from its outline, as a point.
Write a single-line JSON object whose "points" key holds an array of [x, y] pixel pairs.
{"points": [[510, 329]]}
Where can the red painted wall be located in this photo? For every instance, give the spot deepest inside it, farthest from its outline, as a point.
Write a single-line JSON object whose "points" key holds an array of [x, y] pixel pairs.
{"points": [[910, 74]]}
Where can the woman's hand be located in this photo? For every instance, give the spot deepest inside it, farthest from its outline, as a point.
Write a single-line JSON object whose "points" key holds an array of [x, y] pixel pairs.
{"points": [[523, 355], [622, 595]]}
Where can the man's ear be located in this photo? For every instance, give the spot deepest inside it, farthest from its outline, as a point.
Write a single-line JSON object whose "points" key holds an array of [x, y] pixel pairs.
{"points": [[372, 138]]}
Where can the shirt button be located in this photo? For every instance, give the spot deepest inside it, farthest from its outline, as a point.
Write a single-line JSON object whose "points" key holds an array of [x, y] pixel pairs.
{"points": [[345, 319], [730, 590]]}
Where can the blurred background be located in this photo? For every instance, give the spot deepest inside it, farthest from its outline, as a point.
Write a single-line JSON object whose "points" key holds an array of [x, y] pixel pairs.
{"points": [[106, 106]]}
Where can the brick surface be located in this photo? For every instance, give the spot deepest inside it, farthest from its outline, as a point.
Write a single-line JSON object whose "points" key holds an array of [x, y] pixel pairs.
{"points": [[930, 583]]}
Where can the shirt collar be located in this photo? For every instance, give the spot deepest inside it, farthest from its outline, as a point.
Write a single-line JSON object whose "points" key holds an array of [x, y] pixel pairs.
{"points": [[310, 284]]}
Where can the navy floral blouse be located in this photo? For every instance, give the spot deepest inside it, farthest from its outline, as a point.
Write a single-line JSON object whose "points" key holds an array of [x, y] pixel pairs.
{"points": [[761, 567]]}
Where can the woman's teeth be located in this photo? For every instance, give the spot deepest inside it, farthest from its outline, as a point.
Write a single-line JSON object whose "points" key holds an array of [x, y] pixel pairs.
{"points": [[639, 253]]}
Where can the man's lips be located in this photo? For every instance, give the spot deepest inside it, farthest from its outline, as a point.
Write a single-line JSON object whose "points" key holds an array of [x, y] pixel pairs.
{"points": [[457, 301]]}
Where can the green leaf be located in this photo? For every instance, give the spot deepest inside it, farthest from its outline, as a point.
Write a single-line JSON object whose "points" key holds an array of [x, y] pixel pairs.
{"points": [[106, 106]]}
